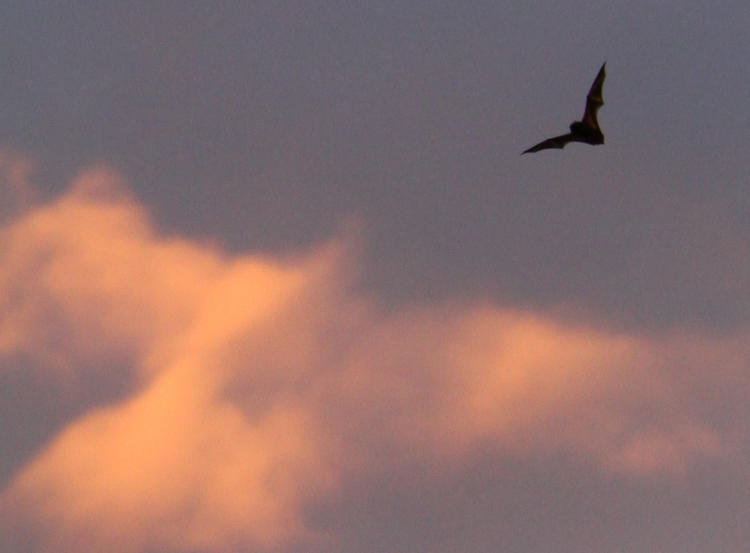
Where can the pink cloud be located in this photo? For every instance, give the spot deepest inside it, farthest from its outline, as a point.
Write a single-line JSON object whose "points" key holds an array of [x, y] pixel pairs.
{"points": [[260, 383]]}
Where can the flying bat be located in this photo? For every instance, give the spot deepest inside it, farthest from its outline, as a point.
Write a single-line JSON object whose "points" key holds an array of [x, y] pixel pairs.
{"points": [[587, 130]]}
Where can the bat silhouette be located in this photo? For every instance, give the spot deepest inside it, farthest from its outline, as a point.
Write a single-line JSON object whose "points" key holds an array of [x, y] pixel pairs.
{"points": [[587, 130]]}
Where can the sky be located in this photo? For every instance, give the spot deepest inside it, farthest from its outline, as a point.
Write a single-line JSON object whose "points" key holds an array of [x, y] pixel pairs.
{"points": [[274, 278]]}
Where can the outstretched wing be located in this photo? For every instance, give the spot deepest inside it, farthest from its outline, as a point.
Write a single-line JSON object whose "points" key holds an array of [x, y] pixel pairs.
{"points": [[594, 99], [555, 142]]}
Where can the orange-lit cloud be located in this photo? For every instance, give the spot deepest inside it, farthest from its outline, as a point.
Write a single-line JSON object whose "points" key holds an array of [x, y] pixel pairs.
{"points": [[256, 384], [15, 187]]}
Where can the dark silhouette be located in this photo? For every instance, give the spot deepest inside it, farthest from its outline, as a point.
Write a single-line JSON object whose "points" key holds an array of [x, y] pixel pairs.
{"points": [[586, 131]]}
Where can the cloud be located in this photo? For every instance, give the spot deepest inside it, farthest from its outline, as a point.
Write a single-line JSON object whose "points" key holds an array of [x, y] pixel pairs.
{"points": [[257, 385], [15, 187], [174, 468]]}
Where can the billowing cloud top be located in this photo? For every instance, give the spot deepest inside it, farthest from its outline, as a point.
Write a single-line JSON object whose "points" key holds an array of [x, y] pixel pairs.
{"points": [[241, 390]]}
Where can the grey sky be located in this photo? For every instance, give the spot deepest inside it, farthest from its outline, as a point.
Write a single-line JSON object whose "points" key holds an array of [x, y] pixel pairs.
{"points": [[265, 127]]}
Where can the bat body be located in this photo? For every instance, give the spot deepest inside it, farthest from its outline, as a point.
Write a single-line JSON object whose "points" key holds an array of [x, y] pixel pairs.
{"points": [[587, 130]]}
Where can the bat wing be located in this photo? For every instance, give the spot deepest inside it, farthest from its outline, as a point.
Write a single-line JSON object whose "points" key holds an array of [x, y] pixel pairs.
{"points": [[594, 99], [555, 142]]}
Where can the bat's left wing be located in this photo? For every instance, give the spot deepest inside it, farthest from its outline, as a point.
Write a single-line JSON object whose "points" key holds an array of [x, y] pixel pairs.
{"points": [[555, 142]]}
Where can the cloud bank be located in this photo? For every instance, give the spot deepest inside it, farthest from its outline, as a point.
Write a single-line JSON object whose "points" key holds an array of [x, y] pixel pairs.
{"points": [[251, 387]]}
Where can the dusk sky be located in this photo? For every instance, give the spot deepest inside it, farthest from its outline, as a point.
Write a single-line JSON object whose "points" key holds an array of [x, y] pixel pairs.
{"points": [[274, 278]]}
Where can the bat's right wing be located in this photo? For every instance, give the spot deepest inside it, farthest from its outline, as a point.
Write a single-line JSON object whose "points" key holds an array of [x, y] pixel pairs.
{"points": [[594, 99], [555, 142]]}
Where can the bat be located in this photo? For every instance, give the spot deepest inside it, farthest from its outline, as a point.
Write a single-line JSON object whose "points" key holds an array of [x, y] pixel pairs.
{"points": [[586, 130]]}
